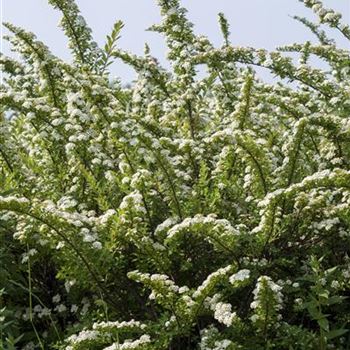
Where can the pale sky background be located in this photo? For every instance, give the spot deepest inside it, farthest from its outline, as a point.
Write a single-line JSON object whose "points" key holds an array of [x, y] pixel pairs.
{"points": [[256, 23]]}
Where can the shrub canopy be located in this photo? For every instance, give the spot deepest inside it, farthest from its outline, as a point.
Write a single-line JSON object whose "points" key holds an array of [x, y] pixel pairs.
{"points": [[185, 211]]}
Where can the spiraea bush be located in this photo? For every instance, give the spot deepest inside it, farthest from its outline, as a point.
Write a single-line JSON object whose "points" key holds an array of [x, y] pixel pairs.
{"points": [[185, 211]]}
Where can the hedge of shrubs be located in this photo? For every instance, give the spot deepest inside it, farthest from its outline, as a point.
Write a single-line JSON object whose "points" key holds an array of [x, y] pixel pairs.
{"points": [[184, 211]]}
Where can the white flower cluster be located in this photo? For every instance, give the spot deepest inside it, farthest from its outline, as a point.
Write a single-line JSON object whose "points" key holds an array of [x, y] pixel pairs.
{"points": [[263, 301], [201, 220], [239, 276], [131, 344], [102, 328], [13, 199], [105, 217], [133, 201], [161, 285], [85, 335], [326, 224], [67, 202], [118, 325], [211, 280], [223, 313], [210, 341], [169, 222], [26, 256], [337, 177], [218, 229], [41, 311], [328, 16]]}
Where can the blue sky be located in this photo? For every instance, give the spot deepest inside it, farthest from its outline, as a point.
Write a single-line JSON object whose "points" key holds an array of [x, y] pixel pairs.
{"points": [[256, 23]]}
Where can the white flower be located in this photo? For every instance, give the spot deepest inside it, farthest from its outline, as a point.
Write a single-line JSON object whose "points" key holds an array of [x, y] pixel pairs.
{"points": [[44, 312], [83, 336], [74, 308], [298, 301], [183, 289], [56, 299], [240, 276], [97, 245], [109, 176], [89, 238], [130, 344], [69, 147], [61, 308], [254, 318], [60, 245], [171, 11], [335, 284], [224, 314], [69, 284], [37, 308]]}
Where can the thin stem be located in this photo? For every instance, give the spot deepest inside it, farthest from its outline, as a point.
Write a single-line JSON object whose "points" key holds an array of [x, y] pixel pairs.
{"points": [[31, 301], [40, 302]]}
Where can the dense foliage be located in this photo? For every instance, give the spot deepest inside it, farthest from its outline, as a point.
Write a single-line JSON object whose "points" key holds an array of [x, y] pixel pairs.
{"points": [[186, 211]]}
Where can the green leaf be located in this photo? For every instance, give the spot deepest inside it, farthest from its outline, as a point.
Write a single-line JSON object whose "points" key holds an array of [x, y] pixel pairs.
{"points": [[323, 323], [335, 333], [315, 314], [336, 299]]}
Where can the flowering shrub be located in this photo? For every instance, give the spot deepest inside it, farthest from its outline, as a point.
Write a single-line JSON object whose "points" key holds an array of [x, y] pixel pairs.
{"points": [[184, 211]]}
